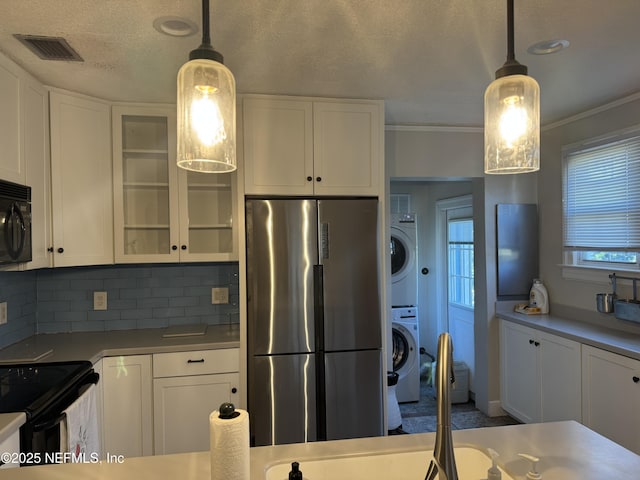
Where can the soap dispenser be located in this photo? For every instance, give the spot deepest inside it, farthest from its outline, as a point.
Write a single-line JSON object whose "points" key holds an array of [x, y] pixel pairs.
{"points": [[532, 474], [494, 472], [295, 473]]}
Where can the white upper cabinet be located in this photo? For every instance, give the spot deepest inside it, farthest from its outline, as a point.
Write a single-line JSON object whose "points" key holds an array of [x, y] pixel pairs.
{"points": [[304, 146], [12, 165], [35, 103], [81, 181], [163, 213]]}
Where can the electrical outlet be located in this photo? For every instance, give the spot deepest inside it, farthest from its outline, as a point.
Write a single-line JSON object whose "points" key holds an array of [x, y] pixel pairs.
{"points": [[219, 295], [3, 313], [99, 300]]}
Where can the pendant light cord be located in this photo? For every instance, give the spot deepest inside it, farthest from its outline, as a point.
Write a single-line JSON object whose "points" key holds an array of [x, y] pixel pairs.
{"points": [[205, 50], [511, 66], [511, 49], [206, 37]]}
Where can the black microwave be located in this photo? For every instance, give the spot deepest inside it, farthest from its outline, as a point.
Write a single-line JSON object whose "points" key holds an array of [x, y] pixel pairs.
{"points": [[15, 223]]}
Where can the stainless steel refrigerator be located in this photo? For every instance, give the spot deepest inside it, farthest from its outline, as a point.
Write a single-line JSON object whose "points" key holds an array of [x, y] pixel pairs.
{"points": [[314, 336]]}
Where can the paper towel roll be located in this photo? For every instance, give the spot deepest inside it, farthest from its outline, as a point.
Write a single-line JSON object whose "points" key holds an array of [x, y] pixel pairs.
{"points": [[229, 442]]}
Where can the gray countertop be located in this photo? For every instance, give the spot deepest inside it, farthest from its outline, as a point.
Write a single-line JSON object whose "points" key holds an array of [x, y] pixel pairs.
{"points": [[616, 341], [93, 346], [567, 451]]}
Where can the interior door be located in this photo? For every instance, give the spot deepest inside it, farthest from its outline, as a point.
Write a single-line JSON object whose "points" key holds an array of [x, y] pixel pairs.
{"points": [[458, 248]]}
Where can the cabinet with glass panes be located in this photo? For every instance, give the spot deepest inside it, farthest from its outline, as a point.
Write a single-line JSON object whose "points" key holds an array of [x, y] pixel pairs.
{"points": [[163, 213]]}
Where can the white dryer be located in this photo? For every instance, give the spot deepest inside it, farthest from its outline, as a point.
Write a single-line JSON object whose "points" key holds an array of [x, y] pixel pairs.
{"points": [[406, 353], [404, 262]]}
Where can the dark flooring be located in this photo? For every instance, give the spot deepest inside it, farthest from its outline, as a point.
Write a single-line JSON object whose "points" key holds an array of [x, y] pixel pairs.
{"points": [[419, 417]]}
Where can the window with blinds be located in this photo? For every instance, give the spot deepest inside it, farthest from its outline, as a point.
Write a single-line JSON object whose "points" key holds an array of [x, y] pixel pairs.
{"points": [[601, 202]]}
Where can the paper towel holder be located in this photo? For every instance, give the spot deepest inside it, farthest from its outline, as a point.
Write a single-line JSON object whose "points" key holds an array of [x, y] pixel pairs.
{"points": [[227, 411]]}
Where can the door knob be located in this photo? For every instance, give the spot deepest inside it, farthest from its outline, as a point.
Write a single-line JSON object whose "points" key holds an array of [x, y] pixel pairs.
{"points": [[425, 271], [636, 379], [61, 250]]}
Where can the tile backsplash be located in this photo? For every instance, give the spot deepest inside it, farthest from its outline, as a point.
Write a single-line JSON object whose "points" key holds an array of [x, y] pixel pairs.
{"points": [[138, 296], [18, 289]]}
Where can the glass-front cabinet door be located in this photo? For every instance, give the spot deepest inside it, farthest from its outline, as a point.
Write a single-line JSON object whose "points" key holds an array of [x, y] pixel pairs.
{"points": [[209, 213], [163, 213]]}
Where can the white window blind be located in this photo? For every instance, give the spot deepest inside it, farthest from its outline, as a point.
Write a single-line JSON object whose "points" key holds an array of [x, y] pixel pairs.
{"points": [[601, 195]]}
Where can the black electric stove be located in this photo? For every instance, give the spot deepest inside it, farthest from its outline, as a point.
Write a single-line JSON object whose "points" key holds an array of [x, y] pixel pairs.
{"points": [[43, 391], [32, 387]]}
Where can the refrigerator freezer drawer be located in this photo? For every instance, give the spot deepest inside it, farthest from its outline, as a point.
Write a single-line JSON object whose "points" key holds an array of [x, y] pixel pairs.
{"points": [[282, 399], [353, 384]]}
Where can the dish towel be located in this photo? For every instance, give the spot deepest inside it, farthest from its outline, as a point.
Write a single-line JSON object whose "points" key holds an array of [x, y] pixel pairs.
{"points": [[81, 436]]}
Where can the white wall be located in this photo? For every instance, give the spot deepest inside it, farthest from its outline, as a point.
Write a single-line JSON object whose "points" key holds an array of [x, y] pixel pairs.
{"points": [[569, 296], [457, 154]]}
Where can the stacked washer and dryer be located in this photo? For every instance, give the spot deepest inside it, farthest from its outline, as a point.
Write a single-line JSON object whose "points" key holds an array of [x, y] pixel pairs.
{"points": [[404, 293]]}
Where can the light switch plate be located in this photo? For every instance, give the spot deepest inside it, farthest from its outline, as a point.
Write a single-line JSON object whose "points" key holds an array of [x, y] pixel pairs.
{"points": [[99, 300], [3, 313], [219, 295]]}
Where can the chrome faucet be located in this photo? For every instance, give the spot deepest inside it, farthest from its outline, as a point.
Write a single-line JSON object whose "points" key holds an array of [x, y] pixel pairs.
{"points": [[444, 462]]}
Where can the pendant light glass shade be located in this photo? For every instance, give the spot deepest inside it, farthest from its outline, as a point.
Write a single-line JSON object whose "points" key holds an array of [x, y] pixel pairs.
{"points": [[206, 117], [512, 115], [206, 109], [512, 125]]}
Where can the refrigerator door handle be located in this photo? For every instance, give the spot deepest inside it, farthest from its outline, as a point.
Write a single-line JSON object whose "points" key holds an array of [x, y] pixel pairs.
{"points": [[321, 396], [318, 308], [324, 241]]}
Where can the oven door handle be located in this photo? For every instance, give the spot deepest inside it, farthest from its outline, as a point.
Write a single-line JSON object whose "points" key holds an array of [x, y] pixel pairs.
{"points": [[50, 423]]}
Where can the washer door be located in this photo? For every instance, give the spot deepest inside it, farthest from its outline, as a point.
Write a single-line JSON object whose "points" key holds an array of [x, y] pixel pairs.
{"points": [[404, 348], [402, 254]]}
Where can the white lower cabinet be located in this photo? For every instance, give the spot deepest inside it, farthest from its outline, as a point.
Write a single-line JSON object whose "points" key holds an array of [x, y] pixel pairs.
{"points": [[127, 405], [187, 387], [611, 396], [540, 375]]}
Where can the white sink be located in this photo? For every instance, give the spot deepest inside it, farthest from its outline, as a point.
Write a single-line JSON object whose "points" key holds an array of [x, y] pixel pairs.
{"points": [[472, 464]]}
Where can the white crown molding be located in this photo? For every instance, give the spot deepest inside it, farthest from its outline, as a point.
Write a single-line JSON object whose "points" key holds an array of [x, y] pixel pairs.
{"points": [[593, 111], [433, 128]]}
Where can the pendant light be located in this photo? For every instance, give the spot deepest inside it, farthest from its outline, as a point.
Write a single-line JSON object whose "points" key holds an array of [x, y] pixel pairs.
{"points": [[206, 109], [512, 116]]}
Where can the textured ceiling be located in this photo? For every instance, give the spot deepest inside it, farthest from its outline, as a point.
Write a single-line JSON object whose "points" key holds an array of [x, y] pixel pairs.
{"points": [[430, 60]]}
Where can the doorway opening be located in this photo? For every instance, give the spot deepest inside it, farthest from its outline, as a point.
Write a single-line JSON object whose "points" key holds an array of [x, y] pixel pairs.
{"points": [[456, 277]]}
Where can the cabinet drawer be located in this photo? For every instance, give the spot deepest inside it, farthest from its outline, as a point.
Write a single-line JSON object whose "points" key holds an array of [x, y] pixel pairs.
{"points": [[198, 362]]}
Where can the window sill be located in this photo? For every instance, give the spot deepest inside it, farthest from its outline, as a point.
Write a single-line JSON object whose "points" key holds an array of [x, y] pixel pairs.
{"points": [[596, 274]]}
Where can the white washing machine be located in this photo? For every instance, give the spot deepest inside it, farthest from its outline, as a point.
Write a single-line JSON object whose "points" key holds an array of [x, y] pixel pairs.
{"points": [[406, 353], [404, 261]]}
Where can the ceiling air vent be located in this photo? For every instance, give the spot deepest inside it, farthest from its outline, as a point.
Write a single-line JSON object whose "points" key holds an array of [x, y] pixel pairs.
{"points": [[50, 48]]}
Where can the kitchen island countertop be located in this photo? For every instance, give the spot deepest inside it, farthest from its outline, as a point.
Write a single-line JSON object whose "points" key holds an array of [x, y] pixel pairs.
{"points": [[567, 451], [92, 346]]}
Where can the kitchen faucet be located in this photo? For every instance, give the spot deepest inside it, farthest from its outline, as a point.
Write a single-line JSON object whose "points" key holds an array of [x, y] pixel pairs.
{"points": [[443, 462]]}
